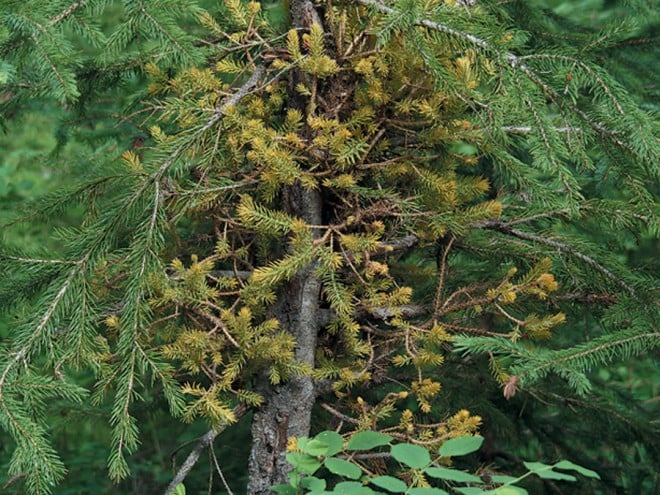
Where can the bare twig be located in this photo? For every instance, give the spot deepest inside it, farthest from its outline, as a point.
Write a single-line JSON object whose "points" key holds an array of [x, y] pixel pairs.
{"points": [[523, 129], [14, 479], [441, 276], [397, 244], [239, 274], [584, 297], [405, 310], [41, 261], [204, 441], [68, 11], [217, 322], [222, 476], [338, 414]]}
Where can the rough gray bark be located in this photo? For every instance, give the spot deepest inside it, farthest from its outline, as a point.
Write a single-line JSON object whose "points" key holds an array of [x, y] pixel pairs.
{"points": [[287, 408]]}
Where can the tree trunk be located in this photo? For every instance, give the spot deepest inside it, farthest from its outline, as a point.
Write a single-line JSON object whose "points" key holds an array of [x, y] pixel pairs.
{"points": [[287, 408]]}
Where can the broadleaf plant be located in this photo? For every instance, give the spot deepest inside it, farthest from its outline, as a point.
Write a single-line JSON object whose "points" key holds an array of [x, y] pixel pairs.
{"points": [[416, 469]]}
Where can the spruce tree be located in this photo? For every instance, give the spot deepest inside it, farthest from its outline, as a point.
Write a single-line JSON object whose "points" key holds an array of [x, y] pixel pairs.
{"points": [[370, 206]]}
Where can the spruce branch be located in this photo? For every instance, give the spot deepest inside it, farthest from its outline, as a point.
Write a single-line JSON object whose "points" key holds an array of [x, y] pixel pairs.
{"points": [[68, 11], [125, 432], [603, 346], [573, 362], [26, 347], [41, 208], [66, 80], [524, 129], [26, 431], [515, 62], [235, 98], [158, 176], [432, 25], [53, 21], [562, 247], [146, 245], [124, 425], [585, 67], [158, 25], [36, 261]]}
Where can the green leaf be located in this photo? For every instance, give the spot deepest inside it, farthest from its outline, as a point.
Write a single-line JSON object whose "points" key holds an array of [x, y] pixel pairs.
{"points": [[460, 446], [343, 468], [546, 472], [302, 443], [502, 478], [451, 475], [367, 440], [426, 491], [508, 490], [389, 483], [333, 440], [411, 455], [575, 467], [294, 478], [303, 462], [180, 489], [284, 490], [312, 483], [470, 490], [315, 447], [352, 488]]}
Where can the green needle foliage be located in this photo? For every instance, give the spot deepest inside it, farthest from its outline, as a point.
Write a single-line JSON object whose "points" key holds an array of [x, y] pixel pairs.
{"points": [[328, 199]]}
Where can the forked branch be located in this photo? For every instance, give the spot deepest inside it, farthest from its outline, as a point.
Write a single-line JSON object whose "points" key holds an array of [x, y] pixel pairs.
{"points": [[203, 442]]}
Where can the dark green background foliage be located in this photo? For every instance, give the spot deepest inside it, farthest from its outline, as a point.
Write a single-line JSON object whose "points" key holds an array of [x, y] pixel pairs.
{"points": [[73, 101]]}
